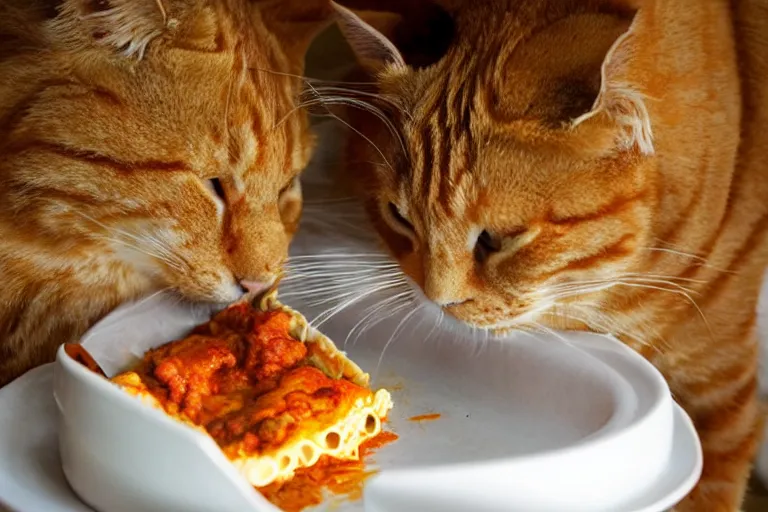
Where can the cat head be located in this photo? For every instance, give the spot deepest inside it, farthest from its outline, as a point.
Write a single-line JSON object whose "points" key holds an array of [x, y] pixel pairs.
{"points": [[511, 171], [162, 133]]}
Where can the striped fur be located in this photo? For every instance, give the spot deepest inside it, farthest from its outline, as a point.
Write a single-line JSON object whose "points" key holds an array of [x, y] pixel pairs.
{"points": [[590, 165], [114, 118]]}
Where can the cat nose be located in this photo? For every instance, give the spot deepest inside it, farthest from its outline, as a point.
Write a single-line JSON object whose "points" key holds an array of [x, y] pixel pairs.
{"points": [[256, 287]]}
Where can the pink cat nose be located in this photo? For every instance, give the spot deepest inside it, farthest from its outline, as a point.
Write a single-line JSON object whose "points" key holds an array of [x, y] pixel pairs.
{"points": [[257, 287]]}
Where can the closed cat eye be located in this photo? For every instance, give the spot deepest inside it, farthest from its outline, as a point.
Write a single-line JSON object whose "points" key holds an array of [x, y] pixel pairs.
{"points": [[395, 211], [486, 245], [289, 185], [216, 187]]}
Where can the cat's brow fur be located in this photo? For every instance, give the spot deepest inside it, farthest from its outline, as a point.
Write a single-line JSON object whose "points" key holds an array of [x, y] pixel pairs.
{"points": [[619, 158], [113, 116]]}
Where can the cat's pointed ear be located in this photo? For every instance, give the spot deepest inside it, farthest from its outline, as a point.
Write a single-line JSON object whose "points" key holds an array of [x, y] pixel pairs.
{"points": [[128, 26], [368, 34], [619, 102]]}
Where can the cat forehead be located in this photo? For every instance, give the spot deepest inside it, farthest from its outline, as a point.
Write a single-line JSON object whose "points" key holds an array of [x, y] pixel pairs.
{"points": [[522, 59]]}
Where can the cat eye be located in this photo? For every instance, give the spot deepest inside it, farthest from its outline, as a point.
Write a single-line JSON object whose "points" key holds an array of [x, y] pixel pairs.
{"points": [[288, 186], [486, 245], [395, 212], [216, 187]]}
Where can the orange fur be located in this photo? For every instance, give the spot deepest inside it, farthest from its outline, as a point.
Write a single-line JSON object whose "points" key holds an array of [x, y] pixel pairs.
{"points": [[588, 164], [115, 115]]}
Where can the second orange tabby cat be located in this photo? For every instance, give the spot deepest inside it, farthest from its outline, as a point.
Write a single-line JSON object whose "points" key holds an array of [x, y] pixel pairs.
{"points": [[584, 164]]}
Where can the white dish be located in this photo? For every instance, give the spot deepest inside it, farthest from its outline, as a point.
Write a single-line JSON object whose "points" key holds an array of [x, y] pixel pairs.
{"points": [[30, 479], [521, 417]]}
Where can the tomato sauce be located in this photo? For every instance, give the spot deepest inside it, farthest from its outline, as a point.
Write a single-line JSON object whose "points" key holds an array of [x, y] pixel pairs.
{"points": [[328, 479], [426, 417]]}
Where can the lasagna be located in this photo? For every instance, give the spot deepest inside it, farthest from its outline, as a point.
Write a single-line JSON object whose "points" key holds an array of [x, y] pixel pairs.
{"points": [[275, 395]]}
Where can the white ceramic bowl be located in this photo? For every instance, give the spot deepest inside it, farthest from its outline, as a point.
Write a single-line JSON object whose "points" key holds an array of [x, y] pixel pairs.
{"points": [[527, 425]]}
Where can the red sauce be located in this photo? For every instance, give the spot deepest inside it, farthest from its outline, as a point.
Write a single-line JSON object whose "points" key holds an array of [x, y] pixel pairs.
{"points": [[343, 479], [426, 417]]}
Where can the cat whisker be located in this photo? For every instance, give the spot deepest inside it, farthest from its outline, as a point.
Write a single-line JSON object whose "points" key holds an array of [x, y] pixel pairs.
{"points": [[339, 270], [335, 201], [436, 327], [334, 290], [331, 312], [334, 259], [396, 332], [669, 278], [163, 247], [551, 332], [683, 294], [333, 225], [137, 244], [599, 326], [575, 291], [367, 107], [358, 132], [703, 262], [331, 276], [340, 264], [631, 277], [581, 288], [140, 250], [353, 92], [312, 283], [341, 255], [606, 314], [394, 304], [479, 345], [310, 80], [368, 313]]}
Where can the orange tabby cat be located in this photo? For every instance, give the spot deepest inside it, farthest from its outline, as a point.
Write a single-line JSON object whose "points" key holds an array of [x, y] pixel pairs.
{"points": [[586, 164], [144, 145]]}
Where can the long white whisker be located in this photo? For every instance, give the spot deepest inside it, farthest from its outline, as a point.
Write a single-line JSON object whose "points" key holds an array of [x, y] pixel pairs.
{"points": [[351, 293], [371, 310], [327, 315], [395, 333], [393, 307]]}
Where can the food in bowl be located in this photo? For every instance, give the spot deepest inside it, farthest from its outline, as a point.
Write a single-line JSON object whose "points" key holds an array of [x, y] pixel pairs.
{"points": [[274, 395]]}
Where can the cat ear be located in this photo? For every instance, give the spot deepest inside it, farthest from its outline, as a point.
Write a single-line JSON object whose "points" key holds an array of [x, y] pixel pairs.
{"points": [[369, 38], [126, 25], [618, 101]]}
